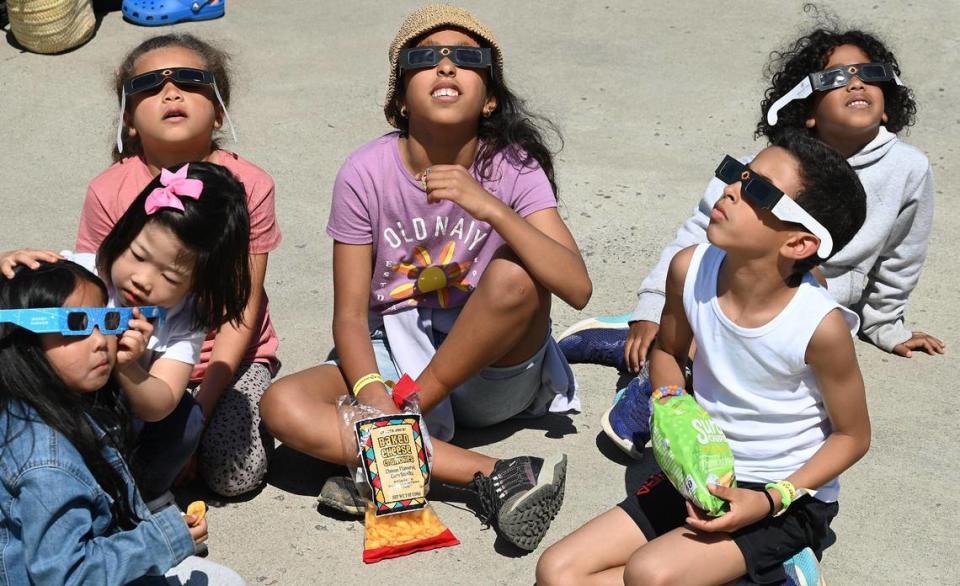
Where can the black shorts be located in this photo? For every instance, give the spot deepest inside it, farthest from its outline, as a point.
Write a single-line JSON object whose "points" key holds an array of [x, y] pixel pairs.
{"points": [[658, 508]]}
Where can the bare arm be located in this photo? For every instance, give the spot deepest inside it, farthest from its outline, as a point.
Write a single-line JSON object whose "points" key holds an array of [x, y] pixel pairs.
{"points": [[831, 356], [232, 341], [672, 347], [155, 394], [352, 272], [541, 240], [544, 244]]}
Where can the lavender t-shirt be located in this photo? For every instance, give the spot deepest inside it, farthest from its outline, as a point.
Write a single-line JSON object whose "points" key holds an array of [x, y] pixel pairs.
{"points": [[425, 255]]}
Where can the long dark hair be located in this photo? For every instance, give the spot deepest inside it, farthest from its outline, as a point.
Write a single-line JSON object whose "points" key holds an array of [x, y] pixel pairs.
{"points": [[810, 53], [215, 229], [511, 130], [216, 62], [26, 378]]}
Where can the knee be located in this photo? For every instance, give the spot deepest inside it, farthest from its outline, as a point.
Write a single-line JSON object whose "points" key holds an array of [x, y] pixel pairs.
{"points": [[556, 568], [274, 408], [510, 286], [642, 570]]}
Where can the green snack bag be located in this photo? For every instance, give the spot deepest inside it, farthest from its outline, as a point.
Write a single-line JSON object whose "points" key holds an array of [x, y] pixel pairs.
{"points": [[692, 451]]}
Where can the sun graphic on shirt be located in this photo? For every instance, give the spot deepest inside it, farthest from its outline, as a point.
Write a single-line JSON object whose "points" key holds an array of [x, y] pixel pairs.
{"points": [[431, 278]]}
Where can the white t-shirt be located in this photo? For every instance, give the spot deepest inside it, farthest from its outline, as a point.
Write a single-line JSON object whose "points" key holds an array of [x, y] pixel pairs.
{"points": [[754, 382], [176, 339]]}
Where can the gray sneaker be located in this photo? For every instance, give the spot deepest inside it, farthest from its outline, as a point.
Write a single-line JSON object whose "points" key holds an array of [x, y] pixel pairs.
{"points": [[340, 493], [521, 497]]}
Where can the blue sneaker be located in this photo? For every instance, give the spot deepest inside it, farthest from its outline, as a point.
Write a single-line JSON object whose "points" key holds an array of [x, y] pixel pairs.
{"points": [[627, 421], [597, 340], [803, 569]]}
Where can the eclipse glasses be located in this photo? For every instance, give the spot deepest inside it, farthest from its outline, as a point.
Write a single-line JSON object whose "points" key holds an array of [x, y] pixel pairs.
{"points": [[833, 78], [767, 196], [78, 321]]}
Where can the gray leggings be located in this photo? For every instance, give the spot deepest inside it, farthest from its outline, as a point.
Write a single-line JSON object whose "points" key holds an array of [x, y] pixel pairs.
{"points": [[236, 447]]}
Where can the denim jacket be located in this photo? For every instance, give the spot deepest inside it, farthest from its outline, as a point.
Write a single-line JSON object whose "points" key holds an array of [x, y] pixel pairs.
{"points": [[57, 526]]}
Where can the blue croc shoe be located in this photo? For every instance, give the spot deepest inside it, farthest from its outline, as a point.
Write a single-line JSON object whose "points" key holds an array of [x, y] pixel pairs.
{"points": [[627, 421], [161, 12], [803, 569], [597, 340]]}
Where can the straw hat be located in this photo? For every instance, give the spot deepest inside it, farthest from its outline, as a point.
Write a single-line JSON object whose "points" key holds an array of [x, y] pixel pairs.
{"points": [[51, 26], [426, 19]]}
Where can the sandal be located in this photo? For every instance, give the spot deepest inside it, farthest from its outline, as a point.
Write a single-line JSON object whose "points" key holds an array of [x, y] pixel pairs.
{"points": [[161, 12]]}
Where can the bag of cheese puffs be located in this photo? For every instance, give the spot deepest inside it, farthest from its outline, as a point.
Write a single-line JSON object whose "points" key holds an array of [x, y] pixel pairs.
{"points": [[391, 455]]}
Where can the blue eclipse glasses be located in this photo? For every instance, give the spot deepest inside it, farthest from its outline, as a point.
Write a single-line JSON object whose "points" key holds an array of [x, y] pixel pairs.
{"points": [[79, 321]]}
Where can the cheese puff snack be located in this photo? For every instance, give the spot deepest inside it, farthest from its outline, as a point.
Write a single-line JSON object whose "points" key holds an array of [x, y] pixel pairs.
{"points": [[394, 457]]}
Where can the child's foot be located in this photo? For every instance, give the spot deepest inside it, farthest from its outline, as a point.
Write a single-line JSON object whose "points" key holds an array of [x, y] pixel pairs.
{"points": [[521, 497], [341, 494], [627, 421], [803, 569], [597, 340]]}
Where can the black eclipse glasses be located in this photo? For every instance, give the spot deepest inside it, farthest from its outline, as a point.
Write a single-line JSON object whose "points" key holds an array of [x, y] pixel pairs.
{"points": [[431, 55], [828, 79], [181, 76], [767, 196], [178, 75]]}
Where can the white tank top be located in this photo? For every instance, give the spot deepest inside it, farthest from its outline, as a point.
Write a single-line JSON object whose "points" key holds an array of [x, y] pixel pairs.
{"points": [[755, 382]]}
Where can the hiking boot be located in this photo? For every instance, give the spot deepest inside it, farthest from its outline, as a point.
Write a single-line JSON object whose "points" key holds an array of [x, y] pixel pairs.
{"points": [[804, 569], [627, 421], [597, 340], [521, 497], [340, 493]]}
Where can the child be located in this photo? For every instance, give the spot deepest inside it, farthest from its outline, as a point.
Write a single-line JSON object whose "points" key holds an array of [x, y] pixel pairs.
{"points": [[876, 273], [161, 124], [775, 368], [71, 513], [182, 245], [447, 247]]}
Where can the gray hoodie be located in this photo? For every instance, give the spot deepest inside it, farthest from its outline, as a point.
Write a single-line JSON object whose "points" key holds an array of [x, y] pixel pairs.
{"points": [[873, 274]]}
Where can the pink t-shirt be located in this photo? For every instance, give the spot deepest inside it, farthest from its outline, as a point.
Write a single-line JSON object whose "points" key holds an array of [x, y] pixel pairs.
{"points": [[111, 193], [429, 255]]}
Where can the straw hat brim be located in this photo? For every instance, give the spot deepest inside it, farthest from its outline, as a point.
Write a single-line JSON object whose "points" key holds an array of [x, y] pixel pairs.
{"points": [[425, 20]]}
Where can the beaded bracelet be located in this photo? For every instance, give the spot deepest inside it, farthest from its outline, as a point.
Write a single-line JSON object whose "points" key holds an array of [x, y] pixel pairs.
{"points": [[667, 391], [365, 380]]}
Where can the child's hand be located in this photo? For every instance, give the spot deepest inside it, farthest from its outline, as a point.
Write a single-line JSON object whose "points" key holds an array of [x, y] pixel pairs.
{"points": [[638, 343], [454, 183], [198, 529], [28, 257], [133, 342], [746, 508], [920, 341]]}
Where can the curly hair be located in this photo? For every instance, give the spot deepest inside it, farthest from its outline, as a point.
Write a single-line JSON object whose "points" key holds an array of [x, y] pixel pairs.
{"points": [[831, 192], [810, 53]]}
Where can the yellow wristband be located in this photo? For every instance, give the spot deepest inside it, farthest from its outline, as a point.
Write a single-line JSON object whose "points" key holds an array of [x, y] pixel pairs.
{"points": [[788, 494], [365, 380]]}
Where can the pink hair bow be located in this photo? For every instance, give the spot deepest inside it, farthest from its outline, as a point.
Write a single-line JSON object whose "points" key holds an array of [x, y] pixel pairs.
{"points": [[174, 185]]}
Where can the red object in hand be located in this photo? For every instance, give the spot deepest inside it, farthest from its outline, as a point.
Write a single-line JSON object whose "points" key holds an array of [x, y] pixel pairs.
{"points": [[405, 387]]}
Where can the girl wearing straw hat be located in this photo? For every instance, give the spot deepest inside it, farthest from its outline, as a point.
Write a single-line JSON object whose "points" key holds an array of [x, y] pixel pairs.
{"points": [[447, 249]]}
